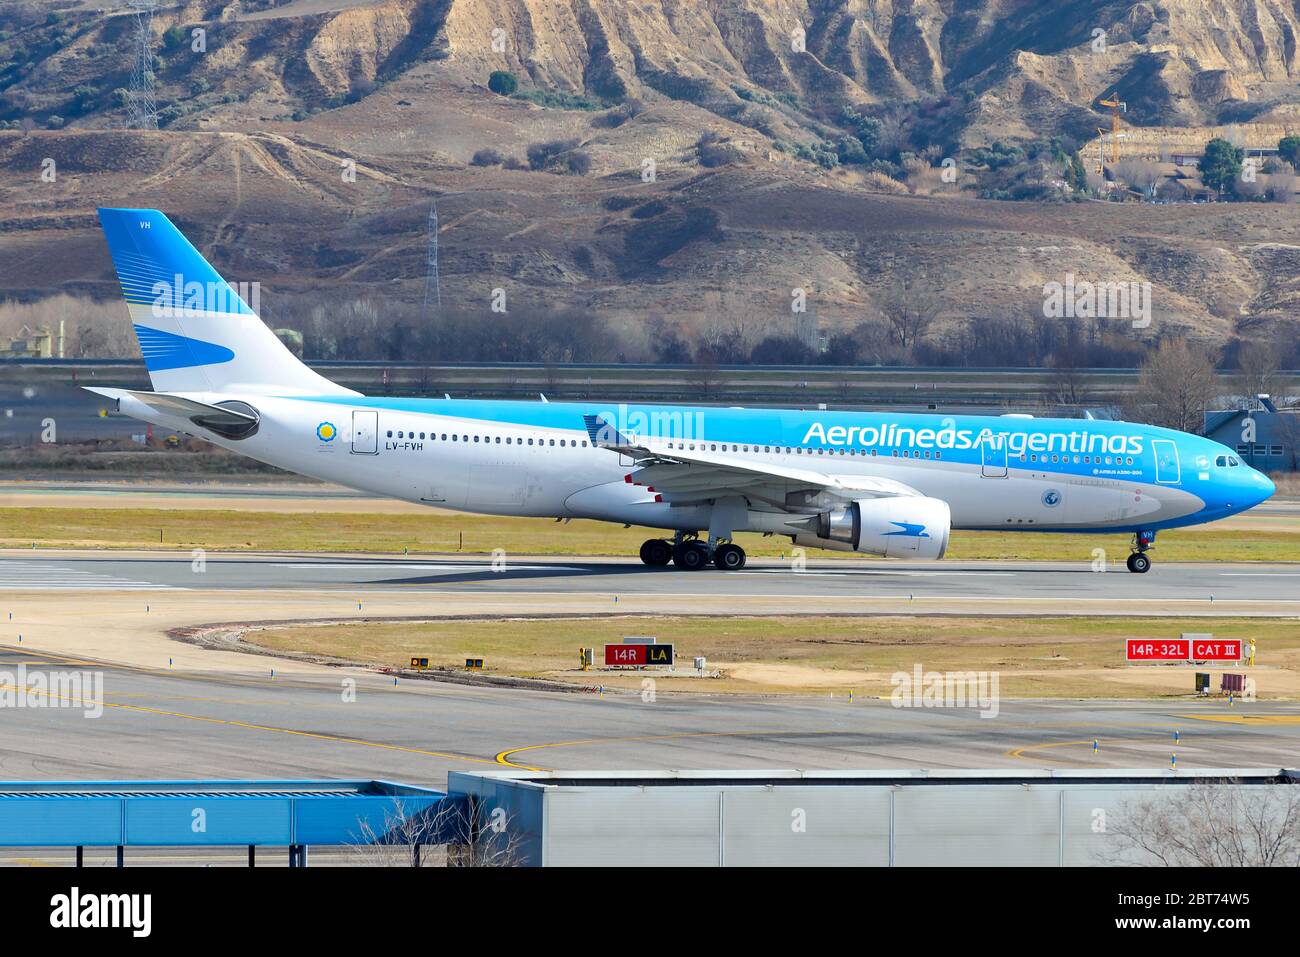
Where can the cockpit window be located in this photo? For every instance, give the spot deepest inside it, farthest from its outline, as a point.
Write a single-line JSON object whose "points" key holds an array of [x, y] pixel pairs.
{"points": [[1221, 462], [1233, 462]]}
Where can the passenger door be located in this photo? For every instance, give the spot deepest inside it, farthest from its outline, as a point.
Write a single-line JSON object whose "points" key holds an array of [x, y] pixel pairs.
{"points": [[1168, 470], [993, 463], [365, 432]]}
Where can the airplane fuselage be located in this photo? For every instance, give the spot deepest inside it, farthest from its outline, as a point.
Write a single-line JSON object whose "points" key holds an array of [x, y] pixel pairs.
{"points": [[537, 459]]}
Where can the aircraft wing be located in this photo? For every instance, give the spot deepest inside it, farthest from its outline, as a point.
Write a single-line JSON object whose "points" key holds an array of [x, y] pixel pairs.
{"points": [[682, 474]]}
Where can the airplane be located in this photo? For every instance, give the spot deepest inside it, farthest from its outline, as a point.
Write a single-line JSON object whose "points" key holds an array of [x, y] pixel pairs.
{"points": [[877, 483]]}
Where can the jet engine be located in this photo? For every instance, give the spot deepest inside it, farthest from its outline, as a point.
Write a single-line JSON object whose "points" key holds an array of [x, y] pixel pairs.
{"points": [[894, 527]]}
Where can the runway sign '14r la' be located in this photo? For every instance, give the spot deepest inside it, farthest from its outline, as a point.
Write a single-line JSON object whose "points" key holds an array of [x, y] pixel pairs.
{"points": [[632, 656]]}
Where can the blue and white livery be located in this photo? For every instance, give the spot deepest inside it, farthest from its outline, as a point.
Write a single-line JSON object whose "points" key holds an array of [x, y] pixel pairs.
{"points": [[885, 484]]}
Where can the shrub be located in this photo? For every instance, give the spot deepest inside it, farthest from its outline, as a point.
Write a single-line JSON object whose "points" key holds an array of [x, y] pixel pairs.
{"points": [[542, 155], [487, 157], [579, 163], [502, 82], [174, 38], [560, 100]]}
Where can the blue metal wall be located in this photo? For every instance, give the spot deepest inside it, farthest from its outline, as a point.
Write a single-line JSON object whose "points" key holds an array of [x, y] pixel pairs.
{"points": [[211, 813]]}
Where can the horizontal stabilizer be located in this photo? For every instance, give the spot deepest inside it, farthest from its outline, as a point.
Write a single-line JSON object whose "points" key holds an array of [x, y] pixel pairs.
{"points": [[181, 407]]}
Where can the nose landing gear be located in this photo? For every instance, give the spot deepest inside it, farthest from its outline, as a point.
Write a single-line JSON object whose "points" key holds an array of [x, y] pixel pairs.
{"points": [[1138, 561]]}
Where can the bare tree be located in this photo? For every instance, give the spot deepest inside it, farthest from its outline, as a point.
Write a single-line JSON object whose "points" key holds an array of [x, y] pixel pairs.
{"points": [[705, 378], [1141, 174], [415, 838], [910, 313], [1175, 386], [1257, 369], [1220, 824], [1282, 186], [1067, 384]]}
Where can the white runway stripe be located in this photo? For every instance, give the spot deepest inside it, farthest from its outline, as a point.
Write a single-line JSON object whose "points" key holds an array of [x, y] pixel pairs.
{"points": [[44, 576]]}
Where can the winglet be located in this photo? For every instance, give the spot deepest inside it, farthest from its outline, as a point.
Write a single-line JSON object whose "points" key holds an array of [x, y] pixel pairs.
{"points": [[604, 435]]}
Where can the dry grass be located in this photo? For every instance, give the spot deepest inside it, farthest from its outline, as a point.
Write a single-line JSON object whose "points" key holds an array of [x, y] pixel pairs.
{"points": [[1054, 657]]}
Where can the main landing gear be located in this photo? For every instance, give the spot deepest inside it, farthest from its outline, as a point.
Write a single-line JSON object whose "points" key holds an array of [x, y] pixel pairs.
{"points": [[1138, 561], [692, 554]]}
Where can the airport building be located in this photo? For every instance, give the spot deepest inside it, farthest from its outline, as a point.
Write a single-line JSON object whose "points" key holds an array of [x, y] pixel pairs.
{"points": [[522, 818], [1266, 438]]}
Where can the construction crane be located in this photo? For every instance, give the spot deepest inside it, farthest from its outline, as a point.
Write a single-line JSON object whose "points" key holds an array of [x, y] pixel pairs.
{"points": [[1117, 106]]}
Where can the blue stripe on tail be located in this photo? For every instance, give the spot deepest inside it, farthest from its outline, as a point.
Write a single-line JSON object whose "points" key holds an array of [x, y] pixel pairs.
{"points": [[166, 350], [149, 254]]}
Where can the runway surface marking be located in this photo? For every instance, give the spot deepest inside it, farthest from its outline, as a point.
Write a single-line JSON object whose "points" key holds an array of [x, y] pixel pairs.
{"points": [[403, 566], [504, 756], [1020, 752], [1248, 719], [338, 739], [41, 575]]}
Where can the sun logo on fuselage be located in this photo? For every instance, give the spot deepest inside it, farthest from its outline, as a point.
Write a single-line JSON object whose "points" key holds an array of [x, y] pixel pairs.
{"points": [[326, 432]]}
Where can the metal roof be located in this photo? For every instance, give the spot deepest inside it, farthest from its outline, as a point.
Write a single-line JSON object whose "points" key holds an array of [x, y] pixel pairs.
{"points": [[218, 813]]}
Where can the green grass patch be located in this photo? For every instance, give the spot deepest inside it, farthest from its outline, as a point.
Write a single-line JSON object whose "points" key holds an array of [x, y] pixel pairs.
{"points": [[439, 532], [561, 100]]}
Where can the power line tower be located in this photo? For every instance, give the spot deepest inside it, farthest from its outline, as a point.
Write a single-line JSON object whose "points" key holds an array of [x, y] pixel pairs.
{"points": [[141, 107], [432, 290]]}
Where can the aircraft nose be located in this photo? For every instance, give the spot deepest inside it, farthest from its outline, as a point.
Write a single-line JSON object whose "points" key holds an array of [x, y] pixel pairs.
{"points": [[1266, 487]]}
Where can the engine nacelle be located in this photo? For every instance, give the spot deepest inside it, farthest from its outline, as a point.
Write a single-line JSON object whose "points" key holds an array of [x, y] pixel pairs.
{"points": [[894, 527]]}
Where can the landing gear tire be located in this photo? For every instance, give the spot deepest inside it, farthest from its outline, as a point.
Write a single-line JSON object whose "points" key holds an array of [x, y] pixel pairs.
{"points": [[1139, 563], [729, 557], [691, 556], [656, 552]]}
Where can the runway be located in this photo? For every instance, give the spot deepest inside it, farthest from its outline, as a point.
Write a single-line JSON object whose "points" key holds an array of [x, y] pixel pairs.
{"points": [[156, 724], [1253, 589], [176, 710]]}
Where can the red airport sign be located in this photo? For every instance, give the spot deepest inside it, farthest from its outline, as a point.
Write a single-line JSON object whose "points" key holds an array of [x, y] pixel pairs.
{"points": [[1183, 649], [1216, 649], [633, 656], [1165, 649]]}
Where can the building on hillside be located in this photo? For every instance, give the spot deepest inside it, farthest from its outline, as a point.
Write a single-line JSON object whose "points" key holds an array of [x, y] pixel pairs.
{"points": [[1184, 189], [1264, 437], [34, 344]]}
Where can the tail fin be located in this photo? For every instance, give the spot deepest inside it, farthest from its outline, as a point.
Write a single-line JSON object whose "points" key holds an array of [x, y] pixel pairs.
{"points": [[197, 334]]}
